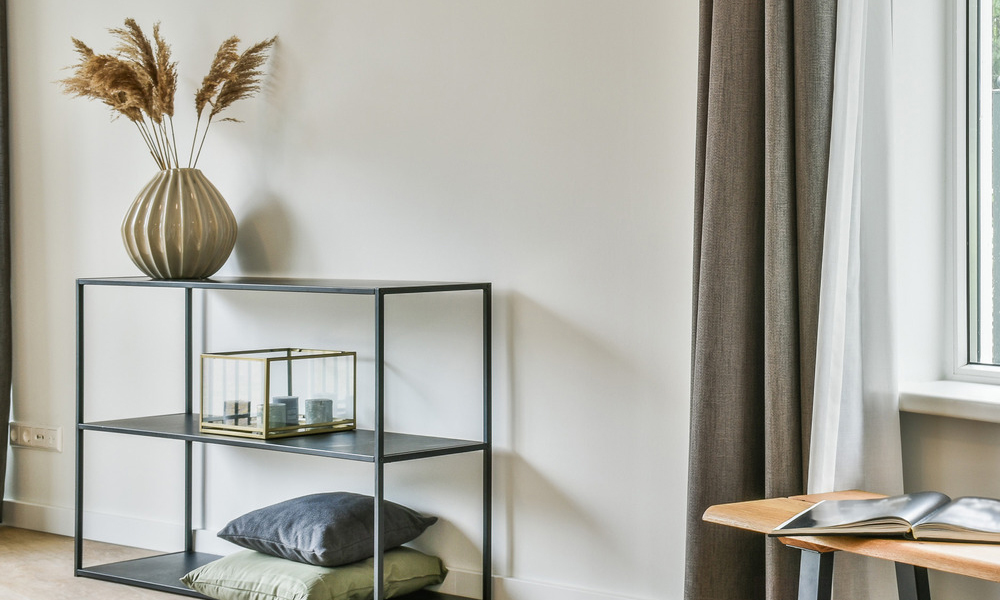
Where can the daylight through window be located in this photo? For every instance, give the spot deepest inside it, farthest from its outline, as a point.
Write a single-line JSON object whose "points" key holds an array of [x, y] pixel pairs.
{"points": [[984, 182]]}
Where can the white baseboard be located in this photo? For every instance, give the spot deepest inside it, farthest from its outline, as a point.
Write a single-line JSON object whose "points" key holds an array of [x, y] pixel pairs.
{"points": [[37, 517], [114, 529], [169, 537], [509, 588]]}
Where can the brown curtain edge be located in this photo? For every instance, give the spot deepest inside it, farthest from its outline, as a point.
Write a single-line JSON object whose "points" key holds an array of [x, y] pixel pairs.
{"points": [[6, 343], [723, 563]]}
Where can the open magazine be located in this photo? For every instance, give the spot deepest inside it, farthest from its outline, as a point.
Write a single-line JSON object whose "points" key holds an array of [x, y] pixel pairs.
{"points": [[920, 516]]}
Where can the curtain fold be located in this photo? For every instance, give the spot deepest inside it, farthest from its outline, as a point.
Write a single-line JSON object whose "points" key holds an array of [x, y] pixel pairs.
{"points": [[764, 102], [6, 362], [857, 420], [856, 425]]}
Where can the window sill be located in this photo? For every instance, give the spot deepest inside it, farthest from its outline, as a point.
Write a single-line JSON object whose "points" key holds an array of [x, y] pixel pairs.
{"points": [[956, 399]]}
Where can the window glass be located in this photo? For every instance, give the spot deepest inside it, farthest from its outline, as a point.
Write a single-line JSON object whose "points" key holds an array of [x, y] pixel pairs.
{"points": [[984, 182]]}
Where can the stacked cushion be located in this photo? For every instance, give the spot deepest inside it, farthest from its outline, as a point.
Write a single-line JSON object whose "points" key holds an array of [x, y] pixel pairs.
{"points": [[318, 547], [327, 530], [249, 575]]}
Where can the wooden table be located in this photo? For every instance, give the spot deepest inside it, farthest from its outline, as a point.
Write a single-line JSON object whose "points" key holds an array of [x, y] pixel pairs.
{"points": [[912, 558]]}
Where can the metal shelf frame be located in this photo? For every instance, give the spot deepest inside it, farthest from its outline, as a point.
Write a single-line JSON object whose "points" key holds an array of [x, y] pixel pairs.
{"points": [[376, 446]]}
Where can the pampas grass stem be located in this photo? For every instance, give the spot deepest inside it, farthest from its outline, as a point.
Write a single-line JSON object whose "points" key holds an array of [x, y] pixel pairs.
{"points": [[149, 143], [173, 138], [194, 140], [202, 144]]}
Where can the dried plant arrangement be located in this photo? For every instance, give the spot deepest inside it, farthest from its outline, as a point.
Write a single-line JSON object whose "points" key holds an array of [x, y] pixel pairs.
{"points": [[139, 82]]}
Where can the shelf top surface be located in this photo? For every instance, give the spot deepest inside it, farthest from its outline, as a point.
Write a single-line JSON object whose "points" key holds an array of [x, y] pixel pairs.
{"points": [[353, 445], [288, 284]]}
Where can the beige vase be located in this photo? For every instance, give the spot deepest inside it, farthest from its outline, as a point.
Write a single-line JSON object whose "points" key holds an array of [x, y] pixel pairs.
{"points": [[179, 227]]}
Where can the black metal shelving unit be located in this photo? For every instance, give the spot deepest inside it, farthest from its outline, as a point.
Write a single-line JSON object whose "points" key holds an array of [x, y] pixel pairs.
{"points": [[375, 446]]}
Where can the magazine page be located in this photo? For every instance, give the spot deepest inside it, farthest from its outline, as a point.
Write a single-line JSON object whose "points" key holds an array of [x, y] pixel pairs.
{"points": [[879, 515], [968, 514]]}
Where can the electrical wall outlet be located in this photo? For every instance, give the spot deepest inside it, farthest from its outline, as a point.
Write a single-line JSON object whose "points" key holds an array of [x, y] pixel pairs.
{"points": [[30, 436]]}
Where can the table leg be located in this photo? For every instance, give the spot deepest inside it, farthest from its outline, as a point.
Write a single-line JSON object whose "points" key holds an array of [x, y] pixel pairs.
{"points": [[912, 582], [816, 575]]}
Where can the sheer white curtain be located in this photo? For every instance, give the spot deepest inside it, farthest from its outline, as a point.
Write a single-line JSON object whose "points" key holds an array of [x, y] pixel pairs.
{"points": [[855, 429]]}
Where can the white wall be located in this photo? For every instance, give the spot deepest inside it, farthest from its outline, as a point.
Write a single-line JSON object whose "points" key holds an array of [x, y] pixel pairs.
{"points": [[544, 145]]}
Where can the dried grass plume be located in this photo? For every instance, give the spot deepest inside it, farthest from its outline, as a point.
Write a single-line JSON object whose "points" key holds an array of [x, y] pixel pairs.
{"points": [[139, 82]]}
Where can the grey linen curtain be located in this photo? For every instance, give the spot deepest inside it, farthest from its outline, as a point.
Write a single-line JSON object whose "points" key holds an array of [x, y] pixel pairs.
{"points": [[764, 110], [6, 362]]}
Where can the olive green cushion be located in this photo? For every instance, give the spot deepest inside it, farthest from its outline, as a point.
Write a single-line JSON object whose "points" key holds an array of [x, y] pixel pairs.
{"points": [[249, 575]]}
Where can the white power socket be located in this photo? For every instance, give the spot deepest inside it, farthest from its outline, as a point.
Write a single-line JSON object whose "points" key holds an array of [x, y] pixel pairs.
{"points": [[30, 436]]}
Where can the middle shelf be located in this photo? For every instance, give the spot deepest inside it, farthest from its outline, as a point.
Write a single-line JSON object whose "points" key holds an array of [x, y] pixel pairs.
{"points": [[350, 445]]}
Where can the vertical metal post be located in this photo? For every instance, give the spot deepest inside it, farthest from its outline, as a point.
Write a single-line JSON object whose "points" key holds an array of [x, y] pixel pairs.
{"points": [[288, 378], [488, 441], [379, 442], [188, 408], [912, 582], [816, 575], [78, 526]]}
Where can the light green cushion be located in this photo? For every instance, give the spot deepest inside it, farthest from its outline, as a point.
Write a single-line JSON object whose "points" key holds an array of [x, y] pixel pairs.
{"points": [[249, 575]]}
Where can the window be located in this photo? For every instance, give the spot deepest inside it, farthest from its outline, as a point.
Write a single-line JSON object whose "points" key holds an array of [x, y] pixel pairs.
{"points": [[983, 215]]}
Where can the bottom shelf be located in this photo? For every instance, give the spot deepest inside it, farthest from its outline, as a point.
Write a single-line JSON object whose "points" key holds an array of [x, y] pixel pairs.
{"points": [[164, 573], [161, 572]]}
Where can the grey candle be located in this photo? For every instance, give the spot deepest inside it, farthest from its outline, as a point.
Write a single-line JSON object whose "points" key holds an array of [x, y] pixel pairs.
{"points": [[319, 410], [276, 415], [291, 404]]}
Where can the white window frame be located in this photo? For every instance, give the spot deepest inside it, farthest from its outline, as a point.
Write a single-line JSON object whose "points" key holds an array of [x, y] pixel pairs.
{"points": [[969, 391], [964, 102]]}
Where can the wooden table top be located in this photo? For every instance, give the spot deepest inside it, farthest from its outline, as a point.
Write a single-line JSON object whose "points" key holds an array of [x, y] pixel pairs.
{"points": [[974, 560]]}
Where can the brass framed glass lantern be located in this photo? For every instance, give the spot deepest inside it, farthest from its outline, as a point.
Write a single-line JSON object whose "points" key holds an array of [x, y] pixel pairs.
{"points": [[279, 392]]}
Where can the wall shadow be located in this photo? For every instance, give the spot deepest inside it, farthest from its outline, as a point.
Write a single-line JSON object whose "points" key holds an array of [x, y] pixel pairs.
{"points": [[559, 378], [265, 242]]}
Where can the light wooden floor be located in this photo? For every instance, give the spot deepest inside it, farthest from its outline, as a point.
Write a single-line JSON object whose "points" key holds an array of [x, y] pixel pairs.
{"points": [[39, 566]]}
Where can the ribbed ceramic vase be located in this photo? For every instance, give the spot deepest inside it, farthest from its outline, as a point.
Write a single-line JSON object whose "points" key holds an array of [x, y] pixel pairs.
{"points": [[179, 227]]}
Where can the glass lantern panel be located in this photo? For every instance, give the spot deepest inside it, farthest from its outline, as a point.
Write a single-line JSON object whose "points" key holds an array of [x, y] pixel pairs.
{"points": [[232, 391]]}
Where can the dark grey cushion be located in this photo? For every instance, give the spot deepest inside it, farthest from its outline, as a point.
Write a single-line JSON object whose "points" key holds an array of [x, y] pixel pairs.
{"points": [[327, 530]]}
